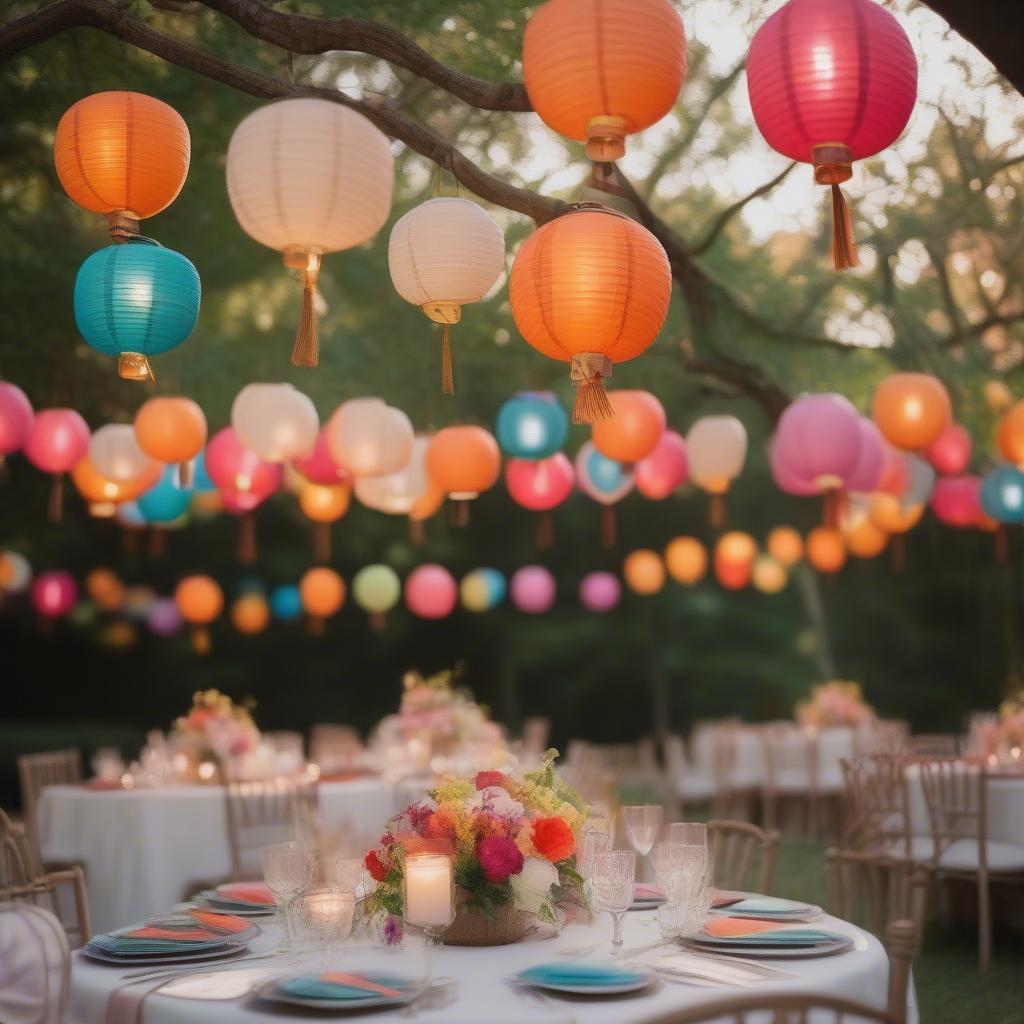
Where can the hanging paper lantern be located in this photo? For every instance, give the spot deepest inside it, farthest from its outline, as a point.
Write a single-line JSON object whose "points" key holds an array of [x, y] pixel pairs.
{"points": [[600, 592], [323, 593], [163, 617], [172, 430], [664, 470], [128, 516], [165, 502], [634, 428], [1002, 494], [482, 589], [134, 301], [324, 504], [15, 418], [540, 487], [54, 593], [950, 452], [956, 500], [397, 493], [825, 549], [376, 589], [15, 572], [319, 467], [785, 545], [871, 458], [599, 70], [105, 588], [250, 614], [115, 453], [104, 496], [997, 395], [122, 154], [1010, 434], [894, 515], [863, 537], [894, 477], [911, 409], [606, 481], [286, 602], [443, 254], [769, 576], [532, 589], [276, 421], [369, 437], [464, 461], [716, 448], [920, 481], [239, 471], [734, 559], [200, 600], [309, 177], [686, 560], [831, 82], [532, 425], [644, 571], [57, 439], [431, 592], [590, 288]]}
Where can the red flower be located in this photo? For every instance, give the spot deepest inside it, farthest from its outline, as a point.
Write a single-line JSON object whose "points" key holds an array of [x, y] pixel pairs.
{"points": [[485, 779], [553, 839], [499, 857], [374, 866]]}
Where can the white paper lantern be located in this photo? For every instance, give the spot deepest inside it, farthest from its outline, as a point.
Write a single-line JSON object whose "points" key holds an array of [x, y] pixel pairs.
{"points": [[115, 453], [716, 449], [276, 421], [309, 177], [397, 493], [443, 254], [369, 437]]}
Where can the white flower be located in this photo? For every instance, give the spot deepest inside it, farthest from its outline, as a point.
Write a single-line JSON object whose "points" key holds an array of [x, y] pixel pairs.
{"points": [[497, 801], [532, 886]]}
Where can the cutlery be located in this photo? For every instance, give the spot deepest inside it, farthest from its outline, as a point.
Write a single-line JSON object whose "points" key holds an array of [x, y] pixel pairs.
{"points": [[197, 969], [754, 965]]}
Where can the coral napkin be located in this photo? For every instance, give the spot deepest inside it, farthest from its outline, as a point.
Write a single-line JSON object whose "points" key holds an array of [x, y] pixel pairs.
{"points": [[355, 981], [220, 922], [175, 934], [737, 927], [248, 892]]}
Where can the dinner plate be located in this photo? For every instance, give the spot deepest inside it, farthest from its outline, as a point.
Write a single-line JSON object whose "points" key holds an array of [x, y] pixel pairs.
{"points": [[271, 991], [789, 910], [651, 903], [177, 958], [841, 944], [642, 979]]}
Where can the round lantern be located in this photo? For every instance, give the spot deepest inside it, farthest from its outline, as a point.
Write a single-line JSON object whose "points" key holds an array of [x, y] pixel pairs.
{"points": [[57, 439], [599, 70], [531, 425], [956, 500], [276, 421], [172, 430], [540, 487], [716, 448], [686, 560], [825, 549], [443, 254], [164, 502], [163, 617], [950, 452], [769, 576], [369, 437], [431, 592], [376, 589], [104, 497], [606, 481], [309, 177], [997, 395], [892, 514], [122, 154], [15, 418], [600, 591], [200, 600], [734, 557], [590, 288], [1011, 434], [15, 572], [894, 477], [323, 593], [664, 470], [634, 428], [105, 588], [324, 504], [864, 538], [870, 459], [463, 461], [54, 593], [831, 82], [238, 470], [134, 301], [319, 466], [250, 614], [115, 453], [482, 589], [397, 493], [286, 602], [644, 571], [911, 409], [785, 545], [1002, 494], [532, 589]]}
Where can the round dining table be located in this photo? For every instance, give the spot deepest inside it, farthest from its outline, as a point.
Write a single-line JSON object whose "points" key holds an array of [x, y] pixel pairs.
{"points": [[471, 983]]}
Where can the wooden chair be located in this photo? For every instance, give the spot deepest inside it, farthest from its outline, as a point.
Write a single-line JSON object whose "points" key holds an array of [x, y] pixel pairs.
{"points": [[956, 794], [35, 773], [791, 777], [743, 855]]}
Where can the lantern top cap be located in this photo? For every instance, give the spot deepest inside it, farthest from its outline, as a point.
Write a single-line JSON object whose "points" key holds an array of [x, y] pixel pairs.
{"points": [[594, 208]]}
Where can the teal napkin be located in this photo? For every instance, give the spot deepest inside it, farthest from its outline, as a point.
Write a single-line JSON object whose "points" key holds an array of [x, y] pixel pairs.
{"points": [[580, 973], [765, 905], [786, 937], [312, 986]]}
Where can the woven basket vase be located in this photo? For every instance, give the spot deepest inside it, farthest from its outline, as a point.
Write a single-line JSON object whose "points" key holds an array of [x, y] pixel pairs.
{"points": [[474, 928]]}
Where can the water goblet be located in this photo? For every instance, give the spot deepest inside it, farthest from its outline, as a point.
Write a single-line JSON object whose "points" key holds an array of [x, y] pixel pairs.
{"points": [[614, 879], [322, 918], [592, 843], [643, 823], [287, 869]]}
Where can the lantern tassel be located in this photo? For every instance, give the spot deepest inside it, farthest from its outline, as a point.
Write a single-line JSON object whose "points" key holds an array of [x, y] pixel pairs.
{"points": [[447, 377], [156, 543], [898, 555], [378, 622], [306, 351], [183, 475], [607, 527], [545, 532], [55, 509], [1002, 547], [246, 551], [844, 251], [417, 532], [322, 542], [716, 511], [134, 366], [5, 473], [587, 371], [316, 625], [201, 640], [462, 513]]}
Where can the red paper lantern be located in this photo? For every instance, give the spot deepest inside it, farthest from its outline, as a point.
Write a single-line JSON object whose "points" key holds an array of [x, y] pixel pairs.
{"points": [[664, 470], [57, 439], [956, 500], [540, 487], [832, 81], [950, 452]]}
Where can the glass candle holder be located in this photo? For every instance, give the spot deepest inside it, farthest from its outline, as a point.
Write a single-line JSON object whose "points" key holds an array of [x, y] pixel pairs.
{"points": [[429, 899], [322, 918]]}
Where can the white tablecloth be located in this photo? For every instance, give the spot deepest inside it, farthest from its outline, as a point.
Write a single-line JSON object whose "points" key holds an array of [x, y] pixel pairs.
{"points": [[482, 995], [142, 849]]}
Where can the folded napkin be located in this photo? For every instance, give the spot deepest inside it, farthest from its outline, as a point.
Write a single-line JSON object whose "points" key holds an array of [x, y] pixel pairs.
{"points": [[176, 934], [580, 973], [737, 931], [347, 986], [767, 905], [220, 922], [738, 927], [247, 892], [648, 891]]}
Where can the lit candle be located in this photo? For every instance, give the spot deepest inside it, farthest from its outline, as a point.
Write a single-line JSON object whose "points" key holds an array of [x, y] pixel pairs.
{"points": [[330, 912], [428, 890]]}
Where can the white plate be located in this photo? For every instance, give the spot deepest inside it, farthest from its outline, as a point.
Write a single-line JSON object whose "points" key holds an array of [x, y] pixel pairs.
{"points": [[648, 904], [841, 945], [177, 958], [270, 991], [590, 990]]}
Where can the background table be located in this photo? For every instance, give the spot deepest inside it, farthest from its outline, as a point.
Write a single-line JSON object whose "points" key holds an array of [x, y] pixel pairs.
{"points": [[142, 849], [861, 974]]}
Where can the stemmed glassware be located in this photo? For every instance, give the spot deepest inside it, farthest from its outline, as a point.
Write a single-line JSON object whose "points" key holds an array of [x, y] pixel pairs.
{"points": [[643, 823], [287, 869], [593, 843], [613, 881], [683, 867], [428, 899], [322, 918]]}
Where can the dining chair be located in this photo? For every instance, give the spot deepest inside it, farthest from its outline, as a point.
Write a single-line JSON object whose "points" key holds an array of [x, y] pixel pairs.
{"points": [[335, 748], [715, 749], [35, 773], [933, 745], [956, 794], [742, 855], [35, 965], [290, 748], [790, 776]]}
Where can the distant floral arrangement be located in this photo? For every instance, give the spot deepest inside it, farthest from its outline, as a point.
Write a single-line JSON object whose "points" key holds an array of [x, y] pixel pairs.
{"points": [[513, 840], [1011, 723], [216, 727], [838, 702]]}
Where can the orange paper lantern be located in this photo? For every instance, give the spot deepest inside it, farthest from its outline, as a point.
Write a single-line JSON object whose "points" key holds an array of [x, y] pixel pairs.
{"points": [[911, 409], [591, 288], [600, 70], [633, 430], [122, 154], [825, 549], [105, 588], [686, 559], [200, 600], [324, 504], [323, 593], [250, 614], [101, 494], [644, 571], [734, 556], [463, 461], [1011, 434], [864, 538], [890, 514], [785, 545], [769, 576], [172, 430]]}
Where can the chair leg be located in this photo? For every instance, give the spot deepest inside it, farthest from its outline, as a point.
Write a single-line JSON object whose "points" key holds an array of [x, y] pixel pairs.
{"points": [[984, 923]]}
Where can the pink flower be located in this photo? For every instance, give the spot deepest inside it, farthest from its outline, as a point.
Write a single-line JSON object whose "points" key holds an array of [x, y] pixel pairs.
{"points": [[499, 857], [485, 779]]}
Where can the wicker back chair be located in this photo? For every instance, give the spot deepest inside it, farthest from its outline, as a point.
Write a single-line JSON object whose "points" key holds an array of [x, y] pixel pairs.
{"points": [[742, 855], [35, 773]]}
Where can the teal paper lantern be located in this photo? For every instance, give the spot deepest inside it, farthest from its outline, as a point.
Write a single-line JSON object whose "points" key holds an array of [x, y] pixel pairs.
{"points": [[134, 301], [164, 502], [1002, 495], [286, 603], [532, 425]]}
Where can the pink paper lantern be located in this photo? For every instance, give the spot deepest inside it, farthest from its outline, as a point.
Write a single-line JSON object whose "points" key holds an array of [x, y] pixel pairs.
{"points": [[240, 472], [54, 593], [894, 477], [319, 467], [600, 591], [664, 470], [870, 458], [950, 452], [532, 589], [542, 485], [956, 500], [816, 445], [58, 438], [431, 592], [15, 418]]}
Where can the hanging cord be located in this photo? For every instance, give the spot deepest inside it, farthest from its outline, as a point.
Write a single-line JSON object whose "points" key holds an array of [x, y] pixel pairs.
{"points": [[832, 166]]}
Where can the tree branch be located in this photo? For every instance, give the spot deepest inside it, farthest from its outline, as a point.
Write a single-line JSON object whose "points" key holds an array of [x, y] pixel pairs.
{"points": [[718, 225]]}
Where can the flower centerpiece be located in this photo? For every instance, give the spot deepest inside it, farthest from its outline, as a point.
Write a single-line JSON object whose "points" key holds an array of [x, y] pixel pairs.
{"points": [[835, 704], [1011, 728], [215, 731], [513, 843]]}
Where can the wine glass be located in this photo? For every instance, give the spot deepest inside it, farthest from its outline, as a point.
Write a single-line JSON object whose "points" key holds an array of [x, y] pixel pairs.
{"points": [[643, 823], [287, 869], [593, 842], [691, 879], [614, 878]]}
